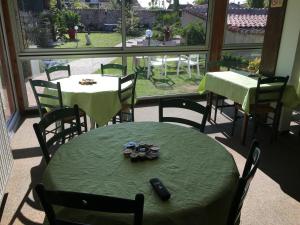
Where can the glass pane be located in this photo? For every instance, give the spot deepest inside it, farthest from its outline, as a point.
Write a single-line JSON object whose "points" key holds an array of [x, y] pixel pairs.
{"points": [[6, 91], [167, 74], [247, 61], [70, 24], [246, 22], [35, 69], [6, 96], [157, 75], [166, 23]]}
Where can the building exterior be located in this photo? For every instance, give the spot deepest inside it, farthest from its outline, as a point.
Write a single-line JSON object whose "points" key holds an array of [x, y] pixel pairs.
{"points": [[244, 25]]}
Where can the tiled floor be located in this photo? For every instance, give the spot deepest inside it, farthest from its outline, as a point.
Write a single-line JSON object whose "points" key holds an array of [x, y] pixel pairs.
{"points": [[273, 198]]}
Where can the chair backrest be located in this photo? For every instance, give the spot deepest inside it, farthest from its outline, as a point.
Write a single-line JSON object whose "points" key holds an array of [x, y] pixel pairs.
{"points": [[244, 183], [111, 66], [270, 90], [51, 130], [89, 202], [194, 58], [55, 100], [183, 104], [55, 69], [126, 88]]}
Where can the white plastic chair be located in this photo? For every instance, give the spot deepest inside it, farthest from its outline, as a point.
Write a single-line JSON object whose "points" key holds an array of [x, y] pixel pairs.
{"points": [[189, 61]]}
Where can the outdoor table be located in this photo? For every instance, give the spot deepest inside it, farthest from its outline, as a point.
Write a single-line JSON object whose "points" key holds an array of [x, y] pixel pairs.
{"points": [[198, 171], [241, 89], [100, 101]]}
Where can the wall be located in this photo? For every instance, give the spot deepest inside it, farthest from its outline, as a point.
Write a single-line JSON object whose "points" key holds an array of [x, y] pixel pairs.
{"points": [[239, 38], [287, 59], [97, 18]]}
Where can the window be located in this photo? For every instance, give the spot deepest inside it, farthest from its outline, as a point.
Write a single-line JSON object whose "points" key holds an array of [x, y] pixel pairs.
{"points": [[245, 23], [244, 33], [133, 32], [166, 23]]}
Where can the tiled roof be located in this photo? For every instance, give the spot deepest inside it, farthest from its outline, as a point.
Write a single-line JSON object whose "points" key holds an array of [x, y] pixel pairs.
{"points": [[243, 20]]}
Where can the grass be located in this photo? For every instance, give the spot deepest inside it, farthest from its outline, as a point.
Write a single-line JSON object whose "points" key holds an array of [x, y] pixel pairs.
{"points": [[159, 84], [97, 40]]}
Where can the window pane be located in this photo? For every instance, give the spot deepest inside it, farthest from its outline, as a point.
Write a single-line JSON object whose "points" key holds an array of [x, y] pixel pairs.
{"points": [[157, 75], [243, 60], [6, 96], [35, 69], [167, 74], [70, 24], [166, 23], [246, 23]]}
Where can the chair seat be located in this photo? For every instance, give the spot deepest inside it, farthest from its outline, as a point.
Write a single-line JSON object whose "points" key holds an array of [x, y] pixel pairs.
{"points": [[262, 109], [70, 119]]}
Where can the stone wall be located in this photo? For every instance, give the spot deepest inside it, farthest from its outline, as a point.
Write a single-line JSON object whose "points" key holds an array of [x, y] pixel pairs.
{"points": [[95, 19], [98, 19]]}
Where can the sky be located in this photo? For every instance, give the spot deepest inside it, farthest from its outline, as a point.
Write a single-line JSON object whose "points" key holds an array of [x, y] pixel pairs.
{"points": [[145, 3]]}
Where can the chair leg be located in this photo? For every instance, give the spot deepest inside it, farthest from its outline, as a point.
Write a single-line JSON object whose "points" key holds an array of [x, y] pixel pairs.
{"points": [[244, 129], [85, 122], [234, 119], [178, 66], [189, 70], [216, 107], [222, 105], [198, 69]]}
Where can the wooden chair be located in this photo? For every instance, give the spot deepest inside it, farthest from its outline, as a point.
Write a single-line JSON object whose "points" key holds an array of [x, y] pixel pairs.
{"points": [[51, 130], [244, 183], [111, 66], [56, 99], [89, 202], [183, 104], [126, 93], [55, 69], [267, 101]]}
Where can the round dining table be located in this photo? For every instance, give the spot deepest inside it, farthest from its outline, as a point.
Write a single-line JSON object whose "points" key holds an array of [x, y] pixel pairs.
{"points": [[100, 100], [199, 173]]}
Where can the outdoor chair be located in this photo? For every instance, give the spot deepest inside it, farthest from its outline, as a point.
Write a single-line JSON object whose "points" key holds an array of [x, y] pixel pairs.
{"points": [[88, 202], [189, 61], [116, 67], [243, 184], [181, 103], [126, 93], [52, 131], [53, 101], [51, 75], [267, 101]]}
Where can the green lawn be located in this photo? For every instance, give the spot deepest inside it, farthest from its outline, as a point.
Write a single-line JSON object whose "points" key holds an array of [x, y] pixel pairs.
{"points": [[159, 84], [97, 40]]}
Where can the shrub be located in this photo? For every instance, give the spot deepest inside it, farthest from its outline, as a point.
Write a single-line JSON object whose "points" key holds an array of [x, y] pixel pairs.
{"points": [[194, 34], [254, 64]]}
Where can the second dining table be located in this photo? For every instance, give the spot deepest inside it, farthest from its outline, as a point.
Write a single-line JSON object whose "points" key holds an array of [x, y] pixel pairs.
{"points": [[200, 173], [100, 100], [241, 89]]}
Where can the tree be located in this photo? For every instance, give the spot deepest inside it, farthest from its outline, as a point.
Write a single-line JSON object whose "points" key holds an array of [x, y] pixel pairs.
{"points": [[256, 3]]}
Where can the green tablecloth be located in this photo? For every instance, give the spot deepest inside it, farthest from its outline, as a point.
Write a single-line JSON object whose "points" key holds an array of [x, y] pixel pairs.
{"points": [[241, 89], [200, 174], [100, 101]]}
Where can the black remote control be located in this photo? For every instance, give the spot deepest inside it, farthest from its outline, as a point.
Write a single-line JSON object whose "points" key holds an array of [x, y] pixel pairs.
{"points": [[160, 189]]}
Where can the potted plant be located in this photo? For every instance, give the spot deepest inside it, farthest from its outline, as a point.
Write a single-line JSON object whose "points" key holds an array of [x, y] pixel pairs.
{"points": [[71, 20]]}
